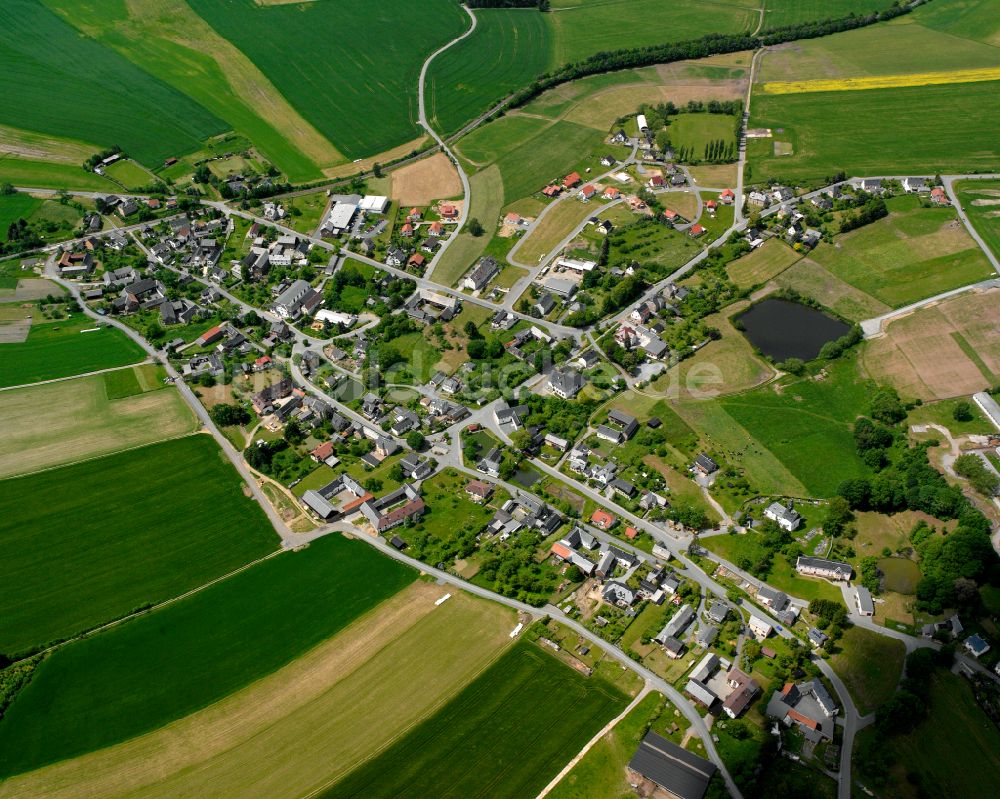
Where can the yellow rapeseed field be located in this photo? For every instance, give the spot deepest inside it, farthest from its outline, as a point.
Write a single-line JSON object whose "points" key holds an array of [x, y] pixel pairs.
{"points": [[882, 81]]}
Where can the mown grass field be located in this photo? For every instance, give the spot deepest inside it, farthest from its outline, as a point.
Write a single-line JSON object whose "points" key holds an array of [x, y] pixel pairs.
{"points": [[87, 417], [158, 668], [509, 49], [169, 40], [111, 102], [769, 260], [697, 130], [505, 735], [129, 174], [807, 422], [810, 279], [297, 730], [916, 142], [981, 201], [14, 207], [487, 200], [50, 175], [363, 98], [172, 516], [554, 227], [59, 349], [790, 12], [913, 253], [969, 19]]}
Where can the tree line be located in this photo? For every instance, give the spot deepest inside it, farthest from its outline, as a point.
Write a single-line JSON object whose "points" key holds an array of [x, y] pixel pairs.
{"points": [[711, 44]]}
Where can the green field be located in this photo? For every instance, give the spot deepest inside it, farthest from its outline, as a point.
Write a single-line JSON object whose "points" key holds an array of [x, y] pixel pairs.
{"points": [[355, 69], [509, 49], [870, 665], [59, 349], [14, 207], [697, 130], [968, 19], [111, 101], [915, 142], [767, 261], [584, 27], [50, 175], [791, 12], [50, 219], [809, 422], [981, 201], [159, 531], [129, 174], [505, 735], [158, 668], [913, 253]]}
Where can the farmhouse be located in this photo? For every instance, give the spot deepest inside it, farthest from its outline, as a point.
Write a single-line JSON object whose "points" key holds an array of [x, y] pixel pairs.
{"points": [[744, 690], [809, 706], [821, 567], [678, 623], [478, 490], [677, 771], [394, 508], [785, 515], [705, 465], [342, 496]]}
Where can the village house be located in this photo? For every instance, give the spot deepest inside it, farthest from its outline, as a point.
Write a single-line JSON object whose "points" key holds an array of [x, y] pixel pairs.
{"points": [[481, 274], [786, 516], [807, 705], [822, 567], [565, 383]]}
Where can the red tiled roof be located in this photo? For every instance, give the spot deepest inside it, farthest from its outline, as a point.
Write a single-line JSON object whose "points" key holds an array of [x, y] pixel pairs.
{"points": [[631, 532], [602, 518], [561, 551], [794, 715], [323, 451]]}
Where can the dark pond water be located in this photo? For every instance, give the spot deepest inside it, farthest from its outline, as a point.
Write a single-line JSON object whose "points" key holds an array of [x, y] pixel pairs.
{"points": [[783, 329]]}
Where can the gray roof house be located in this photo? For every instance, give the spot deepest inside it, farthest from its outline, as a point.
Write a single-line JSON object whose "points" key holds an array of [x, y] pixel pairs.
{"points": [[677, 771], [565, 383]]}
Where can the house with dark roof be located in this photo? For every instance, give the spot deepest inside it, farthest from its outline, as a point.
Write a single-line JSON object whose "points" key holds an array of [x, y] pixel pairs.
{"points": [[822, 567], [807, 705], [705, 465], [744, 688], [677, 771]]}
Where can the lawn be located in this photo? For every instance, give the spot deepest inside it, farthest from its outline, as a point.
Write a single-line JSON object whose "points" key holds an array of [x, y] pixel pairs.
{"points": [[554, 227], [505, 735], [137, 677], [509, 49], [766, 262], [808, 422], [913, 253], [981, 201], [778, 13], [870, 665], [112, 101], [951, 750], [82, 568], [305, 212], [364, 99], [129, 174], [916, 142], [59, 349], [420, 356], [696, 131], [650, 244], [14, 207], [601, 772], [298, 729], [449, 510]]}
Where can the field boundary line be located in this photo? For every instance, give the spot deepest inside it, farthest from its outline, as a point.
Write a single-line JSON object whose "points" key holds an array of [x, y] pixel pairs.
{"points": [[646, 689], [153, 608], [402, 732], [147, 360], [197, 431]]}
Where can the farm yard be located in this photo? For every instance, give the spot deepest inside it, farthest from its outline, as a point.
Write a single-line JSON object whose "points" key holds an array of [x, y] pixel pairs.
{"points": [[296, 730], [63, 348], [505, 735], [86, 417], [181, 658], [949, 349], [82, 569]]}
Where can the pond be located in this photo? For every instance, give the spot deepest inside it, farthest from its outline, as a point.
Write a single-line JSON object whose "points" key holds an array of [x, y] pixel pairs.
{"points": [[784, 329], [899, 575]]}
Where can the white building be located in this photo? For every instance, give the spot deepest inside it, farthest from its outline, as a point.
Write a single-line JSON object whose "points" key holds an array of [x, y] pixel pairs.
{"points": [[760, 628], [374, 204]]}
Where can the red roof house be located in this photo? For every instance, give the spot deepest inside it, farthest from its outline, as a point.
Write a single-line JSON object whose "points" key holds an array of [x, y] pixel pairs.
{"points": [[727, 196], [696, 230], [603, 519], [571, 180]]}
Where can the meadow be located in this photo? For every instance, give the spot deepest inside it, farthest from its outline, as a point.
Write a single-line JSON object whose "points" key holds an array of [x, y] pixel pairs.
{"points": [[554, 227], [808, 422], [505, 735], [695, 131], [967, 19], [807, 277], [160, 667], [509, 49], [768, 261], [112, 102], [59, 349], [297, 730], [67, 569], [86, 417], [487, 200], [169, 40], [915, 142], [981, 201], [870, 665], [14, 207], [791, 12], [913, 253], [364, 99], [129, 174], [583, 27], [50, 175]]}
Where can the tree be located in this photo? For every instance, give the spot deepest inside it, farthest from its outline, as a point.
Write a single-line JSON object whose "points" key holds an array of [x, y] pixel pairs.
{"points": [[973, 469], [886, 406], [471, 331], [415, 440], [475, 227], [294, 433], [373, 484], [377, 169], [794, 366], [838, 516], [228, 415], [962, 412], [476, 349], [521, 439], [207, 379]]}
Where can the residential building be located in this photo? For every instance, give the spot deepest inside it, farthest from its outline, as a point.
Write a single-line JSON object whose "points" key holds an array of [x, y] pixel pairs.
{"points": [[744, 690], [482, 274], [822, 567], [785, 515], [680, 773], [761, 629], [565, 383]]}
